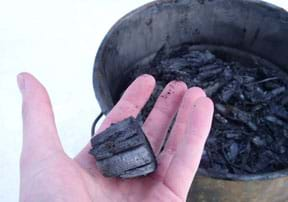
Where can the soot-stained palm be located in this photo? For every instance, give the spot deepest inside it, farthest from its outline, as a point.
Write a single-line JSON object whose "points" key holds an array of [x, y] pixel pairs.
{"points": [[48, 174]]}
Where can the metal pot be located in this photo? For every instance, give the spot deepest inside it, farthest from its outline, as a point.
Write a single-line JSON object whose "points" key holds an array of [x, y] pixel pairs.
{"points": [[246, 29]]}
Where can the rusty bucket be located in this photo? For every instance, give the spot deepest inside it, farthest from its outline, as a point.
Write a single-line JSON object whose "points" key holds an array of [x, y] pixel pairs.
{"points": [[250, 27]]}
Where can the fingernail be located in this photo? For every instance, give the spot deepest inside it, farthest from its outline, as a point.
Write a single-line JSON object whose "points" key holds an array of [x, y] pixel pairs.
{"points": [[21, 82]]}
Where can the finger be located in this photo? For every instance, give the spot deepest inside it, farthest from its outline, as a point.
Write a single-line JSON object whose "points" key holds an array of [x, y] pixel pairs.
{"points": [[187, 157], [161, 116], [178, 129], [132, 101], [40, 138], [130, 104]]}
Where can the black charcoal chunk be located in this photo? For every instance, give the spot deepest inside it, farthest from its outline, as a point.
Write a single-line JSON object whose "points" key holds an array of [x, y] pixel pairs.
{"points": [[245, 79], [233, 151], [123, 151], [208, 67], [275, 120], [212, 89], [285, 133], [232, 135], [228, 73], [258, 141], [198, 58], [228, 91], [220, 118], [244, 117], [255, 94], [279, 111], [275, 92], [209, 74], [222, 109], [284, 100]]}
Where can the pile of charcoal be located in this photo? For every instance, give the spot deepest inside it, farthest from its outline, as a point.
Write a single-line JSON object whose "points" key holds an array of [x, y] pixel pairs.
{"points": [[250, 128]]}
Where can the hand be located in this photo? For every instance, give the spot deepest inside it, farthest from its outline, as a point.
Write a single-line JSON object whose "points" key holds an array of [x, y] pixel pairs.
{"points": [[48, 174]]}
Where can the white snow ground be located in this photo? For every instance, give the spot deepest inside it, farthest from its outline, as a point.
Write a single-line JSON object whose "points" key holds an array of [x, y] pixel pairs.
{"points": [[57, 41]]}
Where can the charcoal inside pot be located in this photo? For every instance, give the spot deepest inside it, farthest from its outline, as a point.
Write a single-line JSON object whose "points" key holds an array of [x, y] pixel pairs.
{"points": [[249, 134], [122, 150]]}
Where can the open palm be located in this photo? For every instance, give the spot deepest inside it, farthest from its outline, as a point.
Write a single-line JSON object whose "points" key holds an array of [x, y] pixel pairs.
{"points": [[48, 174]]}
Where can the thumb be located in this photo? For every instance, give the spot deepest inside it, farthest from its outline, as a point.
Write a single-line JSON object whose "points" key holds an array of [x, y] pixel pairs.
{"points": [[40, 138]]}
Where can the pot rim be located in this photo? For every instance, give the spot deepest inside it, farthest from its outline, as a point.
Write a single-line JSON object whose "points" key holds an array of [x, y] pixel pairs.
{"points": [[246, 177]]}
